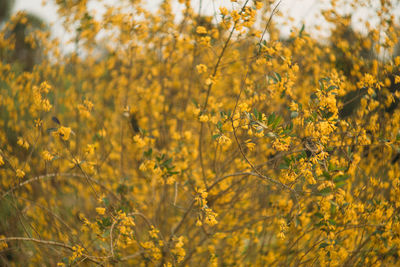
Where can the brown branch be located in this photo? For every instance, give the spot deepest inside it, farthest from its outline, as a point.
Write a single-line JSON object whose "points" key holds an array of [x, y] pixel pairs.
{"points": [[210, 86], [258, 173], [53, 175], [50, 243]]}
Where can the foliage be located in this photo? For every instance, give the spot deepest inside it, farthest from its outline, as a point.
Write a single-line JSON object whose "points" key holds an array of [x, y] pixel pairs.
{"points": [[165, 140]]}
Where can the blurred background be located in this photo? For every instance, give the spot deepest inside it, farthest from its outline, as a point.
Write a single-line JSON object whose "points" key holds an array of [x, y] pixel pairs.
{"points": [[301, 11]]}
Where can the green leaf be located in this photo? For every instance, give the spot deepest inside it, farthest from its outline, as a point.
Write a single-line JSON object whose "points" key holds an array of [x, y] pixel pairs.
{"points": [[326, 191], [333, 208], [276, 122], [319, 215], [278, 76], [313, 96], [255, 112], [167, 162], [326, 175], [219, 126], [301, 30], [321, 85], [332, 222], [341, 178], [106, 201], [271, 118], [50, 130], [148, 152], [122, 189], [323, 245], [340, 184], [215, 136], [273, 78], [283, 166], [332, 87]]}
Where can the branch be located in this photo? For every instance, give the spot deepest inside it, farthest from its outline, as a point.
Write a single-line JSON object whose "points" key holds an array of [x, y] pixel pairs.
{"points": [[52, 175], [258, 173], [50, 243]]}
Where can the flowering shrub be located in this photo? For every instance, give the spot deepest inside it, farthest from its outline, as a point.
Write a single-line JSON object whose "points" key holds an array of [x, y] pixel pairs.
{"points": [[199, 140]]}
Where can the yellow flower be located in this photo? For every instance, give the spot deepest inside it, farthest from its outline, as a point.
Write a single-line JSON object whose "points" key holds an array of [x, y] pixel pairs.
{"points": [[243, 107], [280, 146], [250, 145], [102, 133], [235, 15], [397, 61], [214, 119], [259, 5], [199, 223], [88, 104], [1, 161], [388, 82], [76, 161], [223, 11], [201, 68], [224, 140], [64, 132], [21, 142], [47, 155], [201, 30], [100, 210], [209, 81], [203, 118], [138, 140], [294, 106], [3, 244], [178, 249], [20, 173], [38, 123], [154, 232], [77, 252]]}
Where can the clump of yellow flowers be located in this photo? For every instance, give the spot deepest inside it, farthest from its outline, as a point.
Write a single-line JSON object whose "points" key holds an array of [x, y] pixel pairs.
{"points": [[179, 137]]}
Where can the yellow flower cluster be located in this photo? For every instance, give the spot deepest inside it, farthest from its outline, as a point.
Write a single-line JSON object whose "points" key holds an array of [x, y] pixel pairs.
{"points": [[207, 215], [178, 249], [198, 139], [40, 102], [78, 251], [64, 132]]}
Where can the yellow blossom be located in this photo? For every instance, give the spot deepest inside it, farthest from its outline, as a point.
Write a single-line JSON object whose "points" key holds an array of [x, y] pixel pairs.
{"points": [[64, 132], [100, 210], [201, 30], [223, 11], [203, 118], [20, 173], [201, 68], [47, 156]]}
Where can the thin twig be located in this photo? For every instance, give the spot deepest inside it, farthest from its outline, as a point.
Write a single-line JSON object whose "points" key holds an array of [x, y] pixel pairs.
{"points": [[50, 243], [53, 175], [258, 173]]}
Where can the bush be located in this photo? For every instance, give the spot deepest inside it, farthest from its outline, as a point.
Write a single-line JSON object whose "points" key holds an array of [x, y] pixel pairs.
{"points": [[201, 140]]}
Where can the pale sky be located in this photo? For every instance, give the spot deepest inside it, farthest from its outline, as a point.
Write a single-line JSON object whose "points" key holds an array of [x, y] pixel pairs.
{"points": [[303, 11]]}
